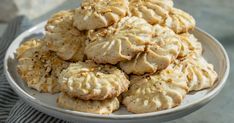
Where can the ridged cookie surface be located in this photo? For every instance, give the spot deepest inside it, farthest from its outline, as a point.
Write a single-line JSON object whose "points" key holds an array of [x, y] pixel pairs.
{"points": [[63, 38], [153, 11], [150, 93], [189, 45], [98, 107], [94, 14], [180, 21], [164, 48], [119, 42], [199, 72], [39, 67], [89, 81], [162, 12]]}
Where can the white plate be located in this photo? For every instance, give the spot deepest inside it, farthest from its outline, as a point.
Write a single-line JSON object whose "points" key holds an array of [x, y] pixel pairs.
{"points": [[213, 52]]}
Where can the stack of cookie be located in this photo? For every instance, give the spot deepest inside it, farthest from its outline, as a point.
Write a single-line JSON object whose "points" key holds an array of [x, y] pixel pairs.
{"points": [[138, 52]]}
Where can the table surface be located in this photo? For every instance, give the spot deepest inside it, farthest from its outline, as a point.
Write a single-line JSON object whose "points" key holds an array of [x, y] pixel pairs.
{"points": [[215, 17]]}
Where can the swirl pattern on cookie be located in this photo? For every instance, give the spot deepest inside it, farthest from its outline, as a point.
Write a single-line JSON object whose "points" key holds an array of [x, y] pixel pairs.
{"points": [[180, 21], [199, 72], [94, 14], [157, 56], [119, 42], [153, 11], [161, 91], [189, 45], [89, 81]]}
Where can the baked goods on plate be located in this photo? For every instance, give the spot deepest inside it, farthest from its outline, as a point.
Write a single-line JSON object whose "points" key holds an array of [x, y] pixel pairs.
{"points": [[39, 67], [139, 50], [89, 81]]}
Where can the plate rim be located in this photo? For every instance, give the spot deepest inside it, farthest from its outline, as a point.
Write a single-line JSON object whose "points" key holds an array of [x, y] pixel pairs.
{"points": [[30, 99]]}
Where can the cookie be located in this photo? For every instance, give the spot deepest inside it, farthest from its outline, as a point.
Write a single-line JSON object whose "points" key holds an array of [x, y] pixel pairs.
{"points": [[189, 45], [164, 49], [119, 42], [153, 11], [89, 81], [180, 21], [26, 46], [97, 107], [167, 2], [94, 14], [63, 38], [162, 12], [160, 91], [39, 67], [200, 73]]}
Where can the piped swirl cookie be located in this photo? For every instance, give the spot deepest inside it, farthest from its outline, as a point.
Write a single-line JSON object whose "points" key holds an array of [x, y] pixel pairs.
{"points": [[160, 91], [98, 107], [164, 49], [89, 81], [189, 45], [153, 11], [162, 12], [199, 72], [94, 14], [63, 38], [119, 42], [39, 67], [180, 21]]}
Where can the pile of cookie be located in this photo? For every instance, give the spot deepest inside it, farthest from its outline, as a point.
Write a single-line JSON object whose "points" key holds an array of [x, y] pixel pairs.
{"points": [[138, 53]]}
